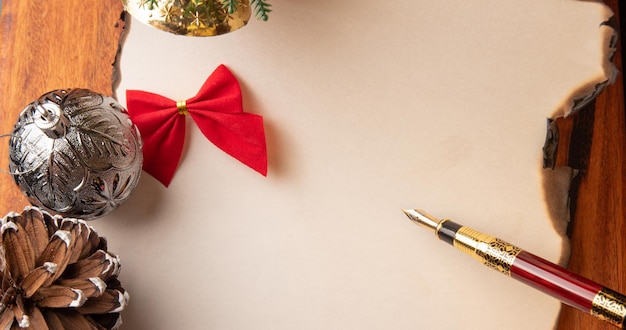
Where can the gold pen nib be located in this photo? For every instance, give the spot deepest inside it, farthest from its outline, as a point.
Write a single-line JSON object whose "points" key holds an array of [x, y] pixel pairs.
{"points": [[423, 219]]}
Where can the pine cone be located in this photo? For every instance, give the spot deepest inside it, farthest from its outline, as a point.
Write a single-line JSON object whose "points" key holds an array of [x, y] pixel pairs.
{"points": [[57, 274]]}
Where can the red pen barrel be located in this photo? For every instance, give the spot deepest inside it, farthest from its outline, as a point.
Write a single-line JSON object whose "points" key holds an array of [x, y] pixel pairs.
{"points": [[554, 280], [543, 275], [569, 288]]}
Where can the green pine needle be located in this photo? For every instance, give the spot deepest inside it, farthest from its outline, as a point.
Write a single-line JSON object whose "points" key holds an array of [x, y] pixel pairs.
{"points": [[230, 5], [151, 3], [261, 9]]}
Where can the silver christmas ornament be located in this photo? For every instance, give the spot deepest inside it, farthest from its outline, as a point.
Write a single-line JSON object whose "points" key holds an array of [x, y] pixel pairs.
{"points": [[75, 153]]}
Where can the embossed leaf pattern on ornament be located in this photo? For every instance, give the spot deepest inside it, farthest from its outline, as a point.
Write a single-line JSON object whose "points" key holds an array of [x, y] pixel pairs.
{"points": [[97, 140], [110, 194], [32, 145], [52, 162], [61, 173], [77, 101], [100, 143]]}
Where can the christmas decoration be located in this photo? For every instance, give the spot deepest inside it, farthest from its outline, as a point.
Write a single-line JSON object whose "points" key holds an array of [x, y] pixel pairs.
{"points": [[197, 17], [57, 274], [218, 111], [75, 152]]}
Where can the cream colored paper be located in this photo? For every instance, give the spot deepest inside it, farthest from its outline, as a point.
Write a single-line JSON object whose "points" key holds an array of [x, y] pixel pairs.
{"points": [[369, 107]]}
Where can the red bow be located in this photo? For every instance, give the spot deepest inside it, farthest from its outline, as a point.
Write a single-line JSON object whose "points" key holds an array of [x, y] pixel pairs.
{"points": [[217, 109]]}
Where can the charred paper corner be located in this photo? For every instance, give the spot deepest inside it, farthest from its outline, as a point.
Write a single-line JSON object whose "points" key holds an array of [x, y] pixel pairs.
{"points": [[551, 145], [583, 96], [116, 73], [558, 179]]}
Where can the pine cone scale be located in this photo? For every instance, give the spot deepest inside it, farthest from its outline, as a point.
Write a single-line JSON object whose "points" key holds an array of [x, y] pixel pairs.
{"points": [[92, 287], [35, 229], [7, 317], [93, 243], [52, 320], [70, 319], [36, 320], [57, 252], [23, 321], [37, 278], [19, 254], [111, 301], [57, 296], [57, 274], [99, 264], [81, 239]]}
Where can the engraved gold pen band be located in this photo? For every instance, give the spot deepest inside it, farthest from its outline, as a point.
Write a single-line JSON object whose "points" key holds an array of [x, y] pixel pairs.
{"points": [[547, 277]]}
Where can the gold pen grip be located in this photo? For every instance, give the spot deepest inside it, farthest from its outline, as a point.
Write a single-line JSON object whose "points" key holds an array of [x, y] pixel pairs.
{"points": [[489, 250], [543, 275], [607, 305]]}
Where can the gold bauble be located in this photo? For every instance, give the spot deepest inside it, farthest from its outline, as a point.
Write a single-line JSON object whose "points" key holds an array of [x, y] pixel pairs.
{"points": [[198, 18]]}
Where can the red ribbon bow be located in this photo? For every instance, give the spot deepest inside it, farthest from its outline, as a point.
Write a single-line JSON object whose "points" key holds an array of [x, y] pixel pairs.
{"points": [[217, 109]]}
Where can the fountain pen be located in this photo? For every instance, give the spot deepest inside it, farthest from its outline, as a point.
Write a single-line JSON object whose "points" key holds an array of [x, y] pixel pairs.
{"points": [[510, 260]]}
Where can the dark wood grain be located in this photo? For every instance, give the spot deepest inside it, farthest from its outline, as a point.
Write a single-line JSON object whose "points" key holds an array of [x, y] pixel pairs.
{"points": [[47, 45], [598, 231]]}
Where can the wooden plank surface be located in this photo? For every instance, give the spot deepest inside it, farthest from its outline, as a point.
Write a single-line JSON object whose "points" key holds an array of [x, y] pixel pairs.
{"points": [[598, 231], [47, 45]]}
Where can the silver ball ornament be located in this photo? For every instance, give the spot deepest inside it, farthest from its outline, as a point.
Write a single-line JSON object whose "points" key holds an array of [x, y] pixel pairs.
{"points": [[76, 153]]}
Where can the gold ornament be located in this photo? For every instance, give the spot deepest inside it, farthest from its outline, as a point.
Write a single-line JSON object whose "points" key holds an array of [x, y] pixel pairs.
{"points": [[198, 18], [57, 274]]}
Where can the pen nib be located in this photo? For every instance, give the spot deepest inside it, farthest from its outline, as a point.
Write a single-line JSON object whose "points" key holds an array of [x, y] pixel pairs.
{"points": [[422, 218], [412, 214]]}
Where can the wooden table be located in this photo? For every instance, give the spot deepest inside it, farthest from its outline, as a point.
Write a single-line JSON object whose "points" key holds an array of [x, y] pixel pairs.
{"points": [[598, 230], [79, 52], [61, 44]]}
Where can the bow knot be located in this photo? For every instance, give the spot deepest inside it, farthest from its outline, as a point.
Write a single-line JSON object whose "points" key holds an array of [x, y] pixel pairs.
{"points": [[182, 108], [217, 109]]}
